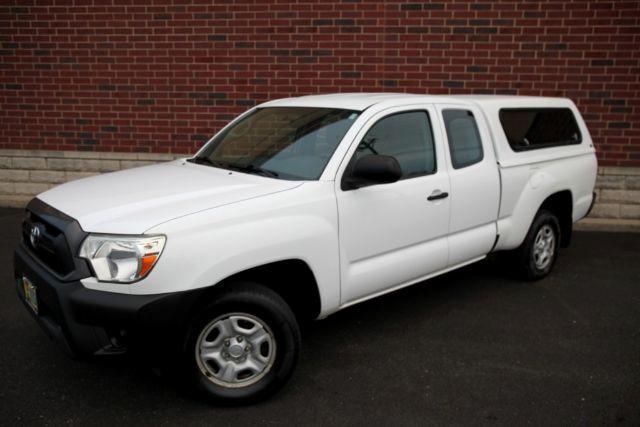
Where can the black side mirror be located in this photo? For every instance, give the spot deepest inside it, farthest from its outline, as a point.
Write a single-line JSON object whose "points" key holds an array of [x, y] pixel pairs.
{"points": [[372, 169]]}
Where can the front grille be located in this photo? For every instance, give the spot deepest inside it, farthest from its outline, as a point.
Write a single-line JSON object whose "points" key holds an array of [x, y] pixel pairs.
{"points": [[57, 239], [51, 248]]}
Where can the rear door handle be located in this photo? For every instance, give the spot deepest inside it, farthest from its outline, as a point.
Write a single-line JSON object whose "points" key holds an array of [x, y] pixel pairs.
{"points": [[437, 195]]}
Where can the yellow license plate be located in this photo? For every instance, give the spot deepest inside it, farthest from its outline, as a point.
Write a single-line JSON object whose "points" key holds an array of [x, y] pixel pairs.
{"points": [[30, 294]]}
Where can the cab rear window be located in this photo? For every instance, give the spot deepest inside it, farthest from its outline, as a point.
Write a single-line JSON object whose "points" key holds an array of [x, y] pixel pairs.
{"points": [[532, 128]]}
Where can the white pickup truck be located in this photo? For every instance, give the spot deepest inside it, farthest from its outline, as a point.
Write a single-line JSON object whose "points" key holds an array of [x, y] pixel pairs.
{"points": [[298, 208]]}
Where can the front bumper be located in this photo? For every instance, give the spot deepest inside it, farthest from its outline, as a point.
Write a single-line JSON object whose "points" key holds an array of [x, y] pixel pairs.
{"points": [[87, 322]]}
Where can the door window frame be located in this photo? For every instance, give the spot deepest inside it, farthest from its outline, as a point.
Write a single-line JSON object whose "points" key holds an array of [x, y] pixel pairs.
{"points": [[476, 131], [486, 135], [428, 109]]}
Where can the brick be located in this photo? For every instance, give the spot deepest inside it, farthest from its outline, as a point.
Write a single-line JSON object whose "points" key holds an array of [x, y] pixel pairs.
{"points": [[54, 177], [463, 30], [13, 175], [83, 165], [633, 182], [620, 196], [100, 165], [149, 91], [128, 164], [616, 182], [453, 83], [99, 155], [30, 188], [616, 170], [31, 153], [7, 188], [71, 176], [480, 6], [630, 211], [601, 62], [160, 157], [64, 164], [28, 163], [476, 69], [619, 125], [411, 6], [605, 210]]}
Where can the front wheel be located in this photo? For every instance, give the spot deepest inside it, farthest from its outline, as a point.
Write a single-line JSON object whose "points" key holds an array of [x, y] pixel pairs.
{"points": [[243, 346], [539, 251]]}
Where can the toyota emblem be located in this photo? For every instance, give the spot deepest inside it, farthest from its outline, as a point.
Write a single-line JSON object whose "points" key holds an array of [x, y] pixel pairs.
{"points": [[34, 236]]}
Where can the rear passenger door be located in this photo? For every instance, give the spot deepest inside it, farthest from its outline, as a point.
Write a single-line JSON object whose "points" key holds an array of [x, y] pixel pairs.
{"points": [[474, 180]]}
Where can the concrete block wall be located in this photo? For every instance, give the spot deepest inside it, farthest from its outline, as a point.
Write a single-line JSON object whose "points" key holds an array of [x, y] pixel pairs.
{"points": [[618, 192], [25, 173]]}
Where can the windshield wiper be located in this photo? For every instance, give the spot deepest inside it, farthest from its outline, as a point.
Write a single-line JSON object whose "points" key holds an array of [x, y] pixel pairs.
{"points": [[250, 168], [201, 160], [215, 163]]}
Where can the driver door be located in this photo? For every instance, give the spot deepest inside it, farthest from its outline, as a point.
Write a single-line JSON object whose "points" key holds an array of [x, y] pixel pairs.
{"points": [[395, 234]]}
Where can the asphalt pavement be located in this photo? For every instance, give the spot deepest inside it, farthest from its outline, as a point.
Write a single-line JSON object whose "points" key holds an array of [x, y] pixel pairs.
{"points": [[475, 346]]}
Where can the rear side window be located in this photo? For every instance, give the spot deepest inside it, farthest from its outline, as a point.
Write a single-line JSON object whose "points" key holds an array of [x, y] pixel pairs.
{"points": [[465, 144], [531, 128], [407, 137]]}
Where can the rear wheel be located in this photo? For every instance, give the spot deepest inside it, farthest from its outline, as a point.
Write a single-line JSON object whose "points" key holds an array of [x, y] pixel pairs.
{"points": [[243, 346], [539, 251]]}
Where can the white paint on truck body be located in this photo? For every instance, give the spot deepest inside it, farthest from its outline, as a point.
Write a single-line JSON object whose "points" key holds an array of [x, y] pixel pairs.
{"points": [[358, 243]]}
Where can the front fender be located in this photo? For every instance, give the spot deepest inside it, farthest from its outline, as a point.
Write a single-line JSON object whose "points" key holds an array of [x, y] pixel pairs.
{"points": [[205, 248]]}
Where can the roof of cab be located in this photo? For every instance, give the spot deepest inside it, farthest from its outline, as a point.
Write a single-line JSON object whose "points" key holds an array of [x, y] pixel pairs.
{"points": [[360, 101]]}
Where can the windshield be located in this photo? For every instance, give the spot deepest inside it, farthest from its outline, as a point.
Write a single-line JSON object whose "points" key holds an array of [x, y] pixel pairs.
{"points": [[293, 143]]}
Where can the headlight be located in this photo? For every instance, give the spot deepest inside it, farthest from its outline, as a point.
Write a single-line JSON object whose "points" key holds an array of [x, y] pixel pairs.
{"points": [[123, 259]]}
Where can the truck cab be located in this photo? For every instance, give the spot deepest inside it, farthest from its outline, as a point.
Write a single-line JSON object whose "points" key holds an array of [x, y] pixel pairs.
{"points": [[299, 208]]}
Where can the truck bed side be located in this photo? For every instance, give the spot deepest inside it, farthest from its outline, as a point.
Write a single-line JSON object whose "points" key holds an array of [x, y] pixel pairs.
{"points": [[529, 178]]}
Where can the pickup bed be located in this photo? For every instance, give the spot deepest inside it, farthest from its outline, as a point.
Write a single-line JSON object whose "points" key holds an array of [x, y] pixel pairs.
{"points": [[298, 208]]}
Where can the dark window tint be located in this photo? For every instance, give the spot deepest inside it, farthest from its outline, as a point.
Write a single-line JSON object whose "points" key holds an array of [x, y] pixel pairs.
{"points": [[540, 127], [465, 144], [405, 136]]}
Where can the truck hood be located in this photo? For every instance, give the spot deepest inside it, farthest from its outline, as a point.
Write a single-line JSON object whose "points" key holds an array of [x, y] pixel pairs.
{"points": [[134, 200]]}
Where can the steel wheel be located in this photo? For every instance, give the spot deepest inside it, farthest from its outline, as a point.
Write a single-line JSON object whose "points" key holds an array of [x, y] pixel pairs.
{"points": [[235, 350], [544, 246]]}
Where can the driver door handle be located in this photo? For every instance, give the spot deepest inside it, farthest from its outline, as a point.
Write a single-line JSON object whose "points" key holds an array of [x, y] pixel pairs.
{"points": [[437, 195]]}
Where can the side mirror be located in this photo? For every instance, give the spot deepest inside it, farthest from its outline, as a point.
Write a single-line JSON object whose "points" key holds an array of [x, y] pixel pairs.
{"points": [[372, 169]]}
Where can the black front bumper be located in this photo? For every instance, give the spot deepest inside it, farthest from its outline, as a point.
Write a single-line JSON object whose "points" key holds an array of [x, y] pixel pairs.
{"points": [[89, 322]]}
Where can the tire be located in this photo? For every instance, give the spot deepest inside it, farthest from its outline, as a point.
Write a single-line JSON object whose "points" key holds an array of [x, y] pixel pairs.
{"points": [[243, 346], [537, 254]]}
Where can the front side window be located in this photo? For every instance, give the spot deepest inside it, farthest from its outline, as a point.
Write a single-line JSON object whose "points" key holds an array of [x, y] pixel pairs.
{"points": [[405, 136], [293, 143], [531, 128], [465, 144]]}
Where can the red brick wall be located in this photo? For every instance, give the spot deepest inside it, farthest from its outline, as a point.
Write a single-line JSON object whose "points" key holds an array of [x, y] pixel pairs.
{"points": [[116, 75]]}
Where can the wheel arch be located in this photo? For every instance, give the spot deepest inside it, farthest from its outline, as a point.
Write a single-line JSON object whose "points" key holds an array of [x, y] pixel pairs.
{"points": [[292, 279], [560, 204], [514, 228]]}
